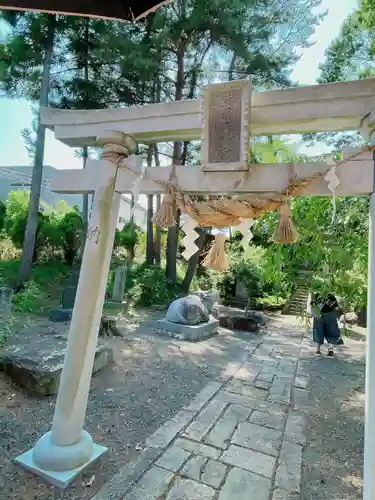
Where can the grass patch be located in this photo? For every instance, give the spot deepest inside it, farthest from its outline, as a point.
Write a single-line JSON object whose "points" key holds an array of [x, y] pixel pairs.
{"points": [[43, 291]]}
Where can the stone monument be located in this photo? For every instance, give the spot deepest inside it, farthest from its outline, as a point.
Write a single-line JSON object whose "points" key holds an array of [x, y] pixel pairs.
{"points": [[64, 313], [119, 284], [189, 318]]}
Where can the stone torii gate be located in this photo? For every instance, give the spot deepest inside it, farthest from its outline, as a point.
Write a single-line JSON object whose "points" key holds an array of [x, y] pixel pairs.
{"points": [[225, 118]]}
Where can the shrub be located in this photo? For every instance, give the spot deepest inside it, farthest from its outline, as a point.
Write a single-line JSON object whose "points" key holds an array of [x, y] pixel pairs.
{"points": [[148, 286], [31, 299], [2, 215], [246, 271]]}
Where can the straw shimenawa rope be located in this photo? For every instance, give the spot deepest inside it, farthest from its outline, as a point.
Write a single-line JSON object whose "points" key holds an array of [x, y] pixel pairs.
{"points": [[222, 212]]}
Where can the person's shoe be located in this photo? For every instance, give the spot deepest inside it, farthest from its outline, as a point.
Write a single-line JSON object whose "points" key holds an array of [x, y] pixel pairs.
{"points": [[318, 354], [330, 353]]}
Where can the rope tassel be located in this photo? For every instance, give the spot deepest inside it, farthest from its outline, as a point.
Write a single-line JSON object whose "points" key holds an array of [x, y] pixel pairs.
{"points": [[216, 258], [285, 231], [164, 217]]}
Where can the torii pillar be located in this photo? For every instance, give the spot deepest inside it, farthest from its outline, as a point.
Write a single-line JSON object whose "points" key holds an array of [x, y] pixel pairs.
{"points": [[64, 451], [369, 444]]}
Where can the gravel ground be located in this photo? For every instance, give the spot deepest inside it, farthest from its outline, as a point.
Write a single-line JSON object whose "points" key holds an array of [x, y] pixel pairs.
{"points": [[152, 378], [333, 457]]}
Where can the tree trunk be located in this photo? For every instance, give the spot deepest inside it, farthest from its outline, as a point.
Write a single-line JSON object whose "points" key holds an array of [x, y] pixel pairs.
{"points": [[172, 239], [194, 260], [85, 197], [157, 248], [132, 203], [150, 210], [37, 175]]}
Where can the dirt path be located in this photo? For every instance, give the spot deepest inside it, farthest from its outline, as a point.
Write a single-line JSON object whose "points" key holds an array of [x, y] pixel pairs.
{"points": [[333, 457], [152, 379]]}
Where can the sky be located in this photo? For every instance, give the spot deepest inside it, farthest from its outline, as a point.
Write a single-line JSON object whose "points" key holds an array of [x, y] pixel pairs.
{"points": [[16, 115]]}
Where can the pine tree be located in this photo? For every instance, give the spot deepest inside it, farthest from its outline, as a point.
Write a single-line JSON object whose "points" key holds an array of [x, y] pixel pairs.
{"points": [[27, 61]]}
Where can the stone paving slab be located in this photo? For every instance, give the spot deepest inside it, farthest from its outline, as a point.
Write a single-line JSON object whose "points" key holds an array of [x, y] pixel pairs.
{"points": [[243, 485], [184, 489], [258, 438], [225, 427], [250, 460], [241, 438]]}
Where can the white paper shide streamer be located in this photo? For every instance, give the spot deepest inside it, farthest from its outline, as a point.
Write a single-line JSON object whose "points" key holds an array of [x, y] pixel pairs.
{"points": [[188, 241], [245, 229], [333, 181]]}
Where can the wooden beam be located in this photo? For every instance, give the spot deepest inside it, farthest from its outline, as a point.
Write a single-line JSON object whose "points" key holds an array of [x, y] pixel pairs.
{"points": [[316, 108], [356, 178]]}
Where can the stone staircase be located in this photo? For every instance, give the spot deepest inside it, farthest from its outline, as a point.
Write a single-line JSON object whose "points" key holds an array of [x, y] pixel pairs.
{"points": [[300, 294]]}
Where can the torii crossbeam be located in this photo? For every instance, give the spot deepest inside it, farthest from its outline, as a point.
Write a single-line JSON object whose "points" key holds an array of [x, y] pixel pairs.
{"points": [[228, 115]]}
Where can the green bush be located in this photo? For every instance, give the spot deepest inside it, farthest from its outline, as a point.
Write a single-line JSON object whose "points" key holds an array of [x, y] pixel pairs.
{"points": [[2, 215], [31, 299], [245, 271], [148, 286], [271, 302]]}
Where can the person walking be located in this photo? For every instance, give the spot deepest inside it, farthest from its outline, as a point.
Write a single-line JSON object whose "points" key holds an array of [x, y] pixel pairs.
{"points": [[325, 312]]}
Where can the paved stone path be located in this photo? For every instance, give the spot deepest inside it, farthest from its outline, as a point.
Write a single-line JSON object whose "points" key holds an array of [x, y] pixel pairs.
{"points": [[241, 438]]}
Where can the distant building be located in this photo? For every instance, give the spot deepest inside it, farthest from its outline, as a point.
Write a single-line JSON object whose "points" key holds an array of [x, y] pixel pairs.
{"points": [[19, 178]]}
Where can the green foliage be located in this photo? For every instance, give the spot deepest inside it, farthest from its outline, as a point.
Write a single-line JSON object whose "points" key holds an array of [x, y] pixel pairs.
{"points": [[30, 299], [148, 286], [128, 237], [272, 302], [44, 289], [58, 230], [16, 216], [70, 226], [2, 215]]}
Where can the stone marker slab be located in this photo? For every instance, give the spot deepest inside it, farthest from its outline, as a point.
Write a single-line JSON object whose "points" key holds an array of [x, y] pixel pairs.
{"points": [[61, 315], [258, 438], [35, 358], [185, 489], [188, 332], [119, 284], [243, 485], [250, 460]]}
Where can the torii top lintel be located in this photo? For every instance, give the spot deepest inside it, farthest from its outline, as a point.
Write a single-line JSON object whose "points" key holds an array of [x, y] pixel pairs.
{"points": [[123, 10], [317, 108]]}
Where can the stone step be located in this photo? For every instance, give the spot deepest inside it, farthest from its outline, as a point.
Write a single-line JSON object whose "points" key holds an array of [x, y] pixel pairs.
{"points": [[298, 299]]}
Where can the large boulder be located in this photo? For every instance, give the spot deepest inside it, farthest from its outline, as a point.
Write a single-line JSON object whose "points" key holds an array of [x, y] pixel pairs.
{"points": [[35, 357], [242, 323], [192, 309]]}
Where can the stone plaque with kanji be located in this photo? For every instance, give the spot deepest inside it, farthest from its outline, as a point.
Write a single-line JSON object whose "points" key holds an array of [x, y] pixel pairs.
{"points": [[226, 125]]}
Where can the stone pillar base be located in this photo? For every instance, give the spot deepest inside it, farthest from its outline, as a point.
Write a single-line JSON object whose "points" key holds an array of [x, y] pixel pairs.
{"points": [[69, 460]]}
